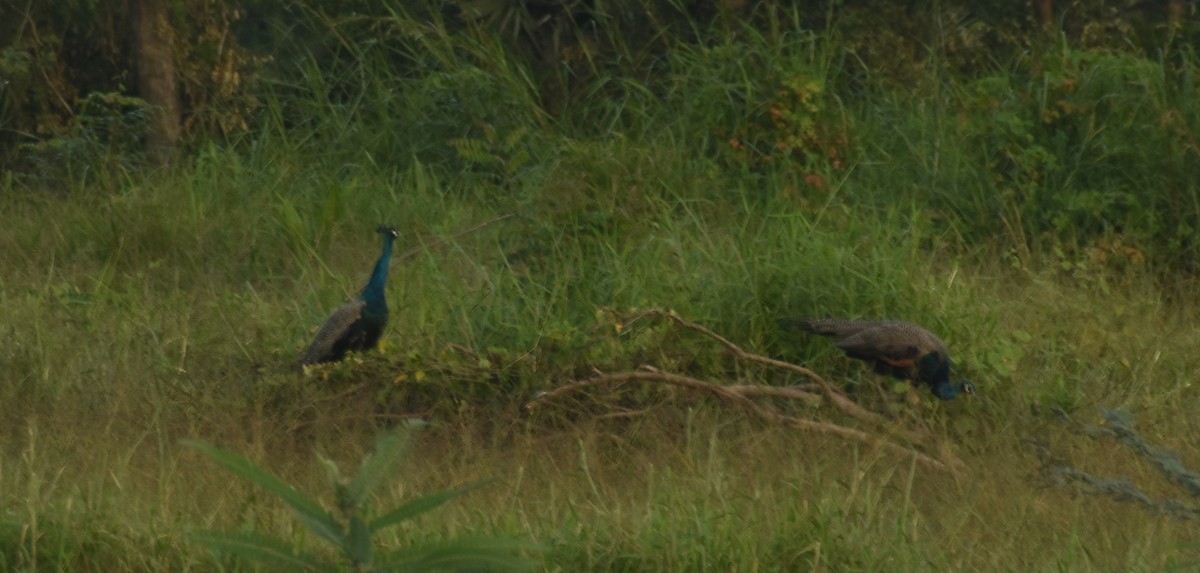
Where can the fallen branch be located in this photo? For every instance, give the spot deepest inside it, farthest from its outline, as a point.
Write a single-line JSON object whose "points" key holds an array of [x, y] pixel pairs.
{"points": [[835, 396], [789, 392], [1120, 428], [736, 395]]}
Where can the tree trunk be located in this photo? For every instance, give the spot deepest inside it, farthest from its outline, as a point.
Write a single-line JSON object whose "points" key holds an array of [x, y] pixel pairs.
{"points": [[1045, 13], [156, 74], [1175, 15]]}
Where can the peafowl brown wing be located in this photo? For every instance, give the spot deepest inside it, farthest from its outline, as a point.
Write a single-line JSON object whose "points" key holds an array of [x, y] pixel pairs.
{"points": [[894, 348]]}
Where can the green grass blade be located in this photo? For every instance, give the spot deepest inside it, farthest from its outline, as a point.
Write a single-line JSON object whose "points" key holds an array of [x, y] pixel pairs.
{"points": [[358, 542], [310, 513], [383, 462], [262, 549], [462, 553], [420, 505]]}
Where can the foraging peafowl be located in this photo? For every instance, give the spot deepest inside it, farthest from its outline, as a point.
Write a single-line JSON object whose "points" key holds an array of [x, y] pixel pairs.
{"points": [[358, 324], [894, 348]]}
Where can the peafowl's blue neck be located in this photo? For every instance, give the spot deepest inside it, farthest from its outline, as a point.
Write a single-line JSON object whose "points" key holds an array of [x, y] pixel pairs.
{"points": [[374, 293], [946, 391], [935, 369]]}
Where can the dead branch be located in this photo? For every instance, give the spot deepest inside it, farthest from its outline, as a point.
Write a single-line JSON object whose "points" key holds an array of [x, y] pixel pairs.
{"points": [[463, 350], [336, 397], [790, 392], [942, 457], [835, 396], [734, 394]]}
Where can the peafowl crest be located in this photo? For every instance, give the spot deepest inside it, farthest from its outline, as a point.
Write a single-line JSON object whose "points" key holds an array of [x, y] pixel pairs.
{"points": [[894, 348], [358, 324]]}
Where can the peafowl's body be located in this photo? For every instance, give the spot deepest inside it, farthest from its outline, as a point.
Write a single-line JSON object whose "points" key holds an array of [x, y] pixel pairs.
{"points": [[358, 324], [894, 348]]}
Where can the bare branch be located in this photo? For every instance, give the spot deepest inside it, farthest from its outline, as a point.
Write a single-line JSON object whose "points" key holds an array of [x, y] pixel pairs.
{"points": [[835, 396], [735, 395], [790, 392]]}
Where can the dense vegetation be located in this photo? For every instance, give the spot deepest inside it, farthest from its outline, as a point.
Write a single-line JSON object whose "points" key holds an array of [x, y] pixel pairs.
{"points": [[1024, 181]]}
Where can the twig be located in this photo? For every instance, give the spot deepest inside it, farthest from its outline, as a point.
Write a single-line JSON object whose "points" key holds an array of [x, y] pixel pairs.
{"points": [[790, 392], [1120, 428], [624, 414], [334, 397], [835, 396], [413, 251], [725, 393], [463, 350], [832, 393]]}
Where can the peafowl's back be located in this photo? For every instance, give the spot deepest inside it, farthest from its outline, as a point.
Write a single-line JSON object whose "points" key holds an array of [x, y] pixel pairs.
{"points": [[358, 324], [893, 348]]}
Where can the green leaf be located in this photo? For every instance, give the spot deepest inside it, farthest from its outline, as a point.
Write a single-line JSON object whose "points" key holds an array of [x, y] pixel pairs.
{"points": [[310, 513], [383, 463], [420, 505], [262, 549], [290, 218], [358, 544], [462, 553], [332, 210]]}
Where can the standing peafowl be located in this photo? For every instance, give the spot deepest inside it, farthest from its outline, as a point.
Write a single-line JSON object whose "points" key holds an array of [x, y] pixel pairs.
{"points": [[894, 348], [358, 324]]}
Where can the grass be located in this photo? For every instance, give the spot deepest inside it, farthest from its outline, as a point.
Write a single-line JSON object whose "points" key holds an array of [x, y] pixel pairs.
{"points": [[126, 338], [141, 308]]}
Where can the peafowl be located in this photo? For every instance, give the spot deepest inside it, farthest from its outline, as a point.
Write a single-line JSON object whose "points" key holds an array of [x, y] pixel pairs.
{"points": [[358, 324], [894, 348]]}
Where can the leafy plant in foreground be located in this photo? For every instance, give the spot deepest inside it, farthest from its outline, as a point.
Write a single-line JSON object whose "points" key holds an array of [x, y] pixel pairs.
{"points": [[352, 528]]}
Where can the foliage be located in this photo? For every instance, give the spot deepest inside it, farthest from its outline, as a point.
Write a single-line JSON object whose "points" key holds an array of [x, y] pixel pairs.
{"points": [[810, 93], [105, 136], [352, 528], [57, 58], [1060, 157], [220, 79]]}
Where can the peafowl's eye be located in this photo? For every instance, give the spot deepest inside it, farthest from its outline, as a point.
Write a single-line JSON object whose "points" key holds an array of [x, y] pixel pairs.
{"points": [[968, 387]]}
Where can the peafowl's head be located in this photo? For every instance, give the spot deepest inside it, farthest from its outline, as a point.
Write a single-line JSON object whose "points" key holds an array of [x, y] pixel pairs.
{"points": [[947, 391], [935, 369], [387, 231]]}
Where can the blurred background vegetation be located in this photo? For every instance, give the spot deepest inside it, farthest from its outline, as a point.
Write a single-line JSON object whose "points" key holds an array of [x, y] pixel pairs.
{"points": [[1040, 100]]}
